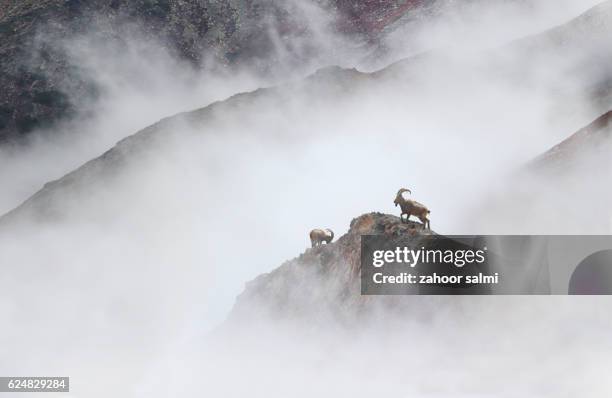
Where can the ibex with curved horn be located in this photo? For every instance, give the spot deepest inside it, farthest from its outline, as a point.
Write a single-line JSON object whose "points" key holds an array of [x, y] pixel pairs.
{"points": [[318, 236], [412, 208]]}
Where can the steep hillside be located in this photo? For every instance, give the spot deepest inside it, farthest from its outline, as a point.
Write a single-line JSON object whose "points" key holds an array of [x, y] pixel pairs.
{"points": [[47, 204], [40, 85], [592, 141]]}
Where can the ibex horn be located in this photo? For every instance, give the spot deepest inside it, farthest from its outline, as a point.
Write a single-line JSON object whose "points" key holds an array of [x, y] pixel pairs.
{"points": [[401, 191]]}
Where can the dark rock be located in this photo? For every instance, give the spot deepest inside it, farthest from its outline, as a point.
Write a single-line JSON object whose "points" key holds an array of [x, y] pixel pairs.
{"points": [[39, 86], [323, 283]]}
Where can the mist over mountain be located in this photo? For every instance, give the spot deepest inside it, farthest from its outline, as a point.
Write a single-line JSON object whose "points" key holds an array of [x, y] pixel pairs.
{"points": [[323, 283], [46, 81], [411, 79], [219, 136], [589, 143], [80, 76], [43, 84]]}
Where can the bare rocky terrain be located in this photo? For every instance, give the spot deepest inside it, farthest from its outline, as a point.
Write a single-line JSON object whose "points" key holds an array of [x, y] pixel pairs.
{"points": [[41, 85]]}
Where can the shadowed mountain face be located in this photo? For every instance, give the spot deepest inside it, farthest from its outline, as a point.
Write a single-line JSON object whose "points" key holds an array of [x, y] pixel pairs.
{"points": [[39, 85], [36, 72], [374, 15]]}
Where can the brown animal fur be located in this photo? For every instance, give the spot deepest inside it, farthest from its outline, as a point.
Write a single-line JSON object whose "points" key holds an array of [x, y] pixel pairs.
{"points": [[318, 236], [412, 208]]}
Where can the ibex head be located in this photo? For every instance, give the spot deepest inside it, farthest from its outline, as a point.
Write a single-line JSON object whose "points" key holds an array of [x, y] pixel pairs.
{"points": [[399, 198]]}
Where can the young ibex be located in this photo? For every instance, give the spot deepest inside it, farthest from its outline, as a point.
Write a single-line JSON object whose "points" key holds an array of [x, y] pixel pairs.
{"points": [[318, 236], [411, 207]]}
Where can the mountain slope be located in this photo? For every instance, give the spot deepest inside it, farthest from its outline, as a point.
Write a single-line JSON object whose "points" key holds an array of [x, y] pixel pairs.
{"points": [[576, 51], [579, 146], [40, 85], [331, 84], [46, 204]]}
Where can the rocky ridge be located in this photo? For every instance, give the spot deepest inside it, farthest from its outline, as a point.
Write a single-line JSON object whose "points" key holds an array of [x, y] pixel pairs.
{"points": [[324, 281], [594, 138]]}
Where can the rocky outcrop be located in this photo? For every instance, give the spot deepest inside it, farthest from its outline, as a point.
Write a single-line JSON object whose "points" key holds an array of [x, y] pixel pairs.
{"points": [[324, 282]]}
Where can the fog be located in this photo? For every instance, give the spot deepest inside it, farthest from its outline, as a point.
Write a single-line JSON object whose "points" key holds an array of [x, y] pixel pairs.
{"points": [[121, 276]]}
